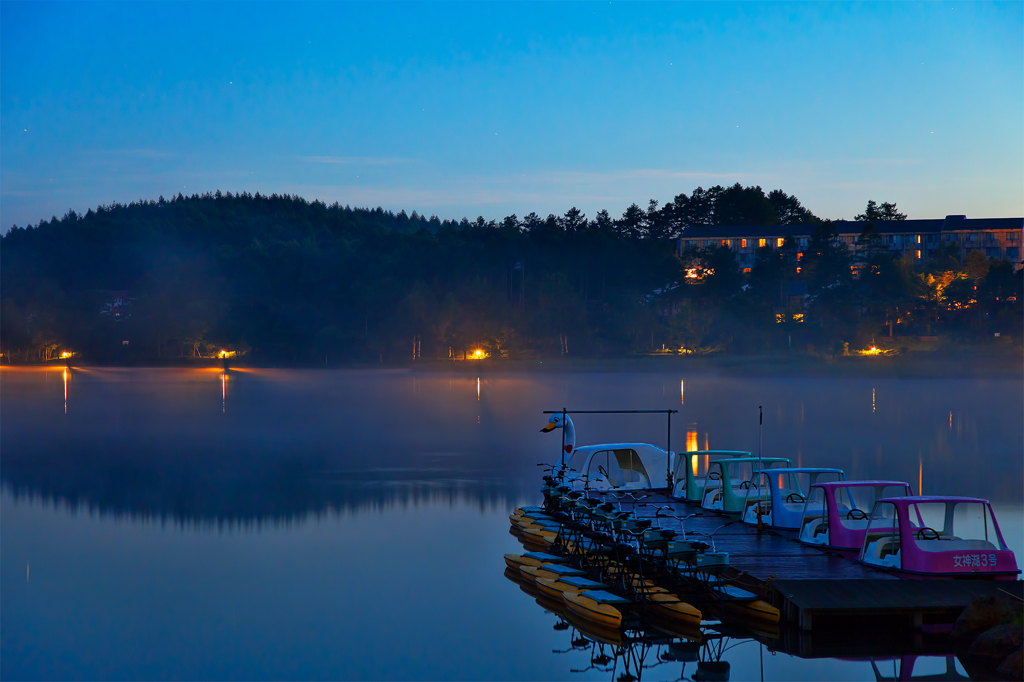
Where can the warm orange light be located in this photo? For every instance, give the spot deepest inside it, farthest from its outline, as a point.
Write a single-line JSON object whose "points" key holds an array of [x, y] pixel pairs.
{"points": [[478, 353], [874, 350], [779, 241], [691, 441], [693, 464], [743, 243], [762, 243]]}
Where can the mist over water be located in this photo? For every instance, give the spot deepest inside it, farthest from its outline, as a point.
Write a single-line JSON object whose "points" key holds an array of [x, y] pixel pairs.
{"points": [[263, 524]]}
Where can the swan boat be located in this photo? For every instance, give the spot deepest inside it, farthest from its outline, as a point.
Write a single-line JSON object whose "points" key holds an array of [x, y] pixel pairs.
{"points": [[835, 516], [688, 486], [777, 497], [937, 537], [609, 466], [729, 479]]}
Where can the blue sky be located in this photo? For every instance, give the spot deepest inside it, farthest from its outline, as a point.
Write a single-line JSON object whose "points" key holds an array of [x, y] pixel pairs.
{"points": [[489, 108]]}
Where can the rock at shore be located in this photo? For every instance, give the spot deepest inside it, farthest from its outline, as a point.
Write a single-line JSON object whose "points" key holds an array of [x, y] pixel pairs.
{"points": [[983, 614], [998, 643], [1013, 667]]}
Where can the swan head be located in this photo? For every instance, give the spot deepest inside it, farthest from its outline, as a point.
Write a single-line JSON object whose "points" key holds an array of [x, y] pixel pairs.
{"points": [[554, 422], [559, 420]]}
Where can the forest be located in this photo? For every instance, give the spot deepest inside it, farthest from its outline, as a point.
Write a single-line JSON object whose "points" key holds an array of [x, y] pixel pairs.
{"points": [[279, 280]]}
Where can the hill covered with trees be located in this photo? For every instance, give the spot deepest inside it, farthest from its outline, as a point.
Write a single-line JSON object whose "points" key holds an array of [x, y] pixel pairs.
{"points": [[288, 281]]}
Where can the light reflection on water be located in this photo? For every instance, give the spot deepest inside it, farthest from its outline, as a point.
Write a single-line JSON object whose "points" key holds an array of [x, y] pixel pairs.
{"points": [[350, 524]]}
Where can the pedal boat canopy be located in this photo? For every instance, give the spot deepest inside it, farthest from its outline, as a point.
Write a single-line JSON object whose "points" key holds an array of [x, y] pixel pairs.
{"points": [[728, 480], [836, 514], [937, 537], [781, 494], [689, 485], [619, 466]]}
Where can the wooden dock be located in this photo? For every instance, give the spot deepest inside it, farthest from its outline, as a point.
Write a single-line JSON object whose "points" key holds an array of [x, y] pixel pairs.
{"points": [[812, 588], [922, 603]]}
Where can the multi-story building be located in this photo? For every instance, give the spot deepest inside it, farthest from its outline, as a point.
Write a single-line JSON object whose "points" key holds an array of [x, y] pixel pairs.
{"points": [[995, 237]]}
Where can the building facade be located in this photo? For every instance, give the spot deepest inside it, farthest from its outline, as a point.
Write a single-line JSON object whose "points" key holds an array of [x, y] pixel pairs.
{"points": [[995, 237]]}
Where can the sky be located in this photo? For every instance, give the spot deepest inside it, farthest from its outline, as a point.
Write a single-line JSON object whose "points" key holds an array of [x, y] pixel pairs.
{"points": [[467, 109]]}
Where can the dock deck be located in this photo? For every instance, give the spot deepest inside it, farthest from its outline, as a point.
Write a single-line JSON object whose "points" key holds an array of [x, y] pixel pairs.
{"points": [[811, 586]]}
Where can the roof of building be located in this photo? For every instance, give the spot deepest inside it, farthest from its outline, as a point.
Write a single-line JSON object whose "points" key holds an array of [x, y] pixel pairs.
{"points": [[855, 227]]}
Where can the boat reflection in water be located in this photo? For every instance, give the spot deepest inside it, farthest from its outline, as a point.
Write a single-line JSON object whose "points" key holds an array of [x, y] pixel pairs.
{"points": [[677, 651], [626, 654], [902, 668]]}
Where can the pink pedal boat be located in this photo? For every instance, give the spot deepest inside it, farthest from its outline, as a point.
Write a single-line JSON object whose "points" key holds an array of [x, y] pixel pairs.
{"points": [[835, 517], [937, 537]]}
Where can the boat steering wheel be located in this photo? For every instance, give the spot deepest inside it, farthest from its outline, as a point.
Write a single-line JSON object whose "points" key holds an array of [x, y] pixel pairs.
{"points": [[795, 497], [856, 514], [747, 485], [714, 476], [924, 532]]}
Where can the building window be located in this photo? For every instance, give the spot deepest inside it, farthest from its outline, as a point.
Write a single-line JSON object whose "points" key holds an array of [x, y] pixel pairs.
{"points": [[919, 253], [726, 242], [799, 256], [762, 243], [743, 243], [779, 242], [918, 239], [798, 271], [746, 271]]}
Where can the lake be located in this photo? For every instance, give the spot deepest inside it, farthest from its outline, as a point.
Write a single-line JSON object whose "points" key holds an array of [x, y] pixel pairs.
{"points": [[350, 524]]}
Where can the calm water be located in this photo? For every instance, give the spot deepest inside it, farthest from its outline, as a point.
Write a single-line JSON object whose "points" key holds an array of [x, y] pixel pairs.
{"points": [[345, 524]]}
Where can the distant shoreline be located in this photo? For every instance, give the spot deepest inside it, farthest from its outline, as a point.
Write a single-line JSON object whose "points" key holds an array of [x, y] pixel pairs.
{"points": [[1007, 364]]}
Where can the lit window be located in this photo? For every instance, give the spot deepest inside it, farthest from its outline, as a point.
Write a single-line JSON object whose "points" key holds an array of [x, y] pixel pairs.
{"points": [[743, 243], [799, 256], [762, 243], [919, 253], [779, 241], [798, 271], [918, 239], [746, 270], [725, 242]]}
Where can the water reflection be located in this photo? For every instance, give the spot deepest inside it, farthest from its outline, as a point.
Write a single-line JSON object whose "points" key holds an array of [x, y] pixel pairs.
{"points": [[115, 512], [721, 651], [140, 441], [902, 668]]}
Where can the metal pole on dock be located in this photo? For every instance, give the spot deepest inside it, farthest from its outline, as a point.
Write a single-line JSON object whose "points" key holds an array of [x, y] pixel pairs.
{"points": [[561, 455], [760, 434], [668, 474]]}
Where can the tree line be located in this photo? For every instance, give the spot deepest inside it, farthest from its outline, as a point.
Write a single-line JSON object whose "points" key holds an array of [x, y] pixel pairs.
{"points": [[288, 281]]}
